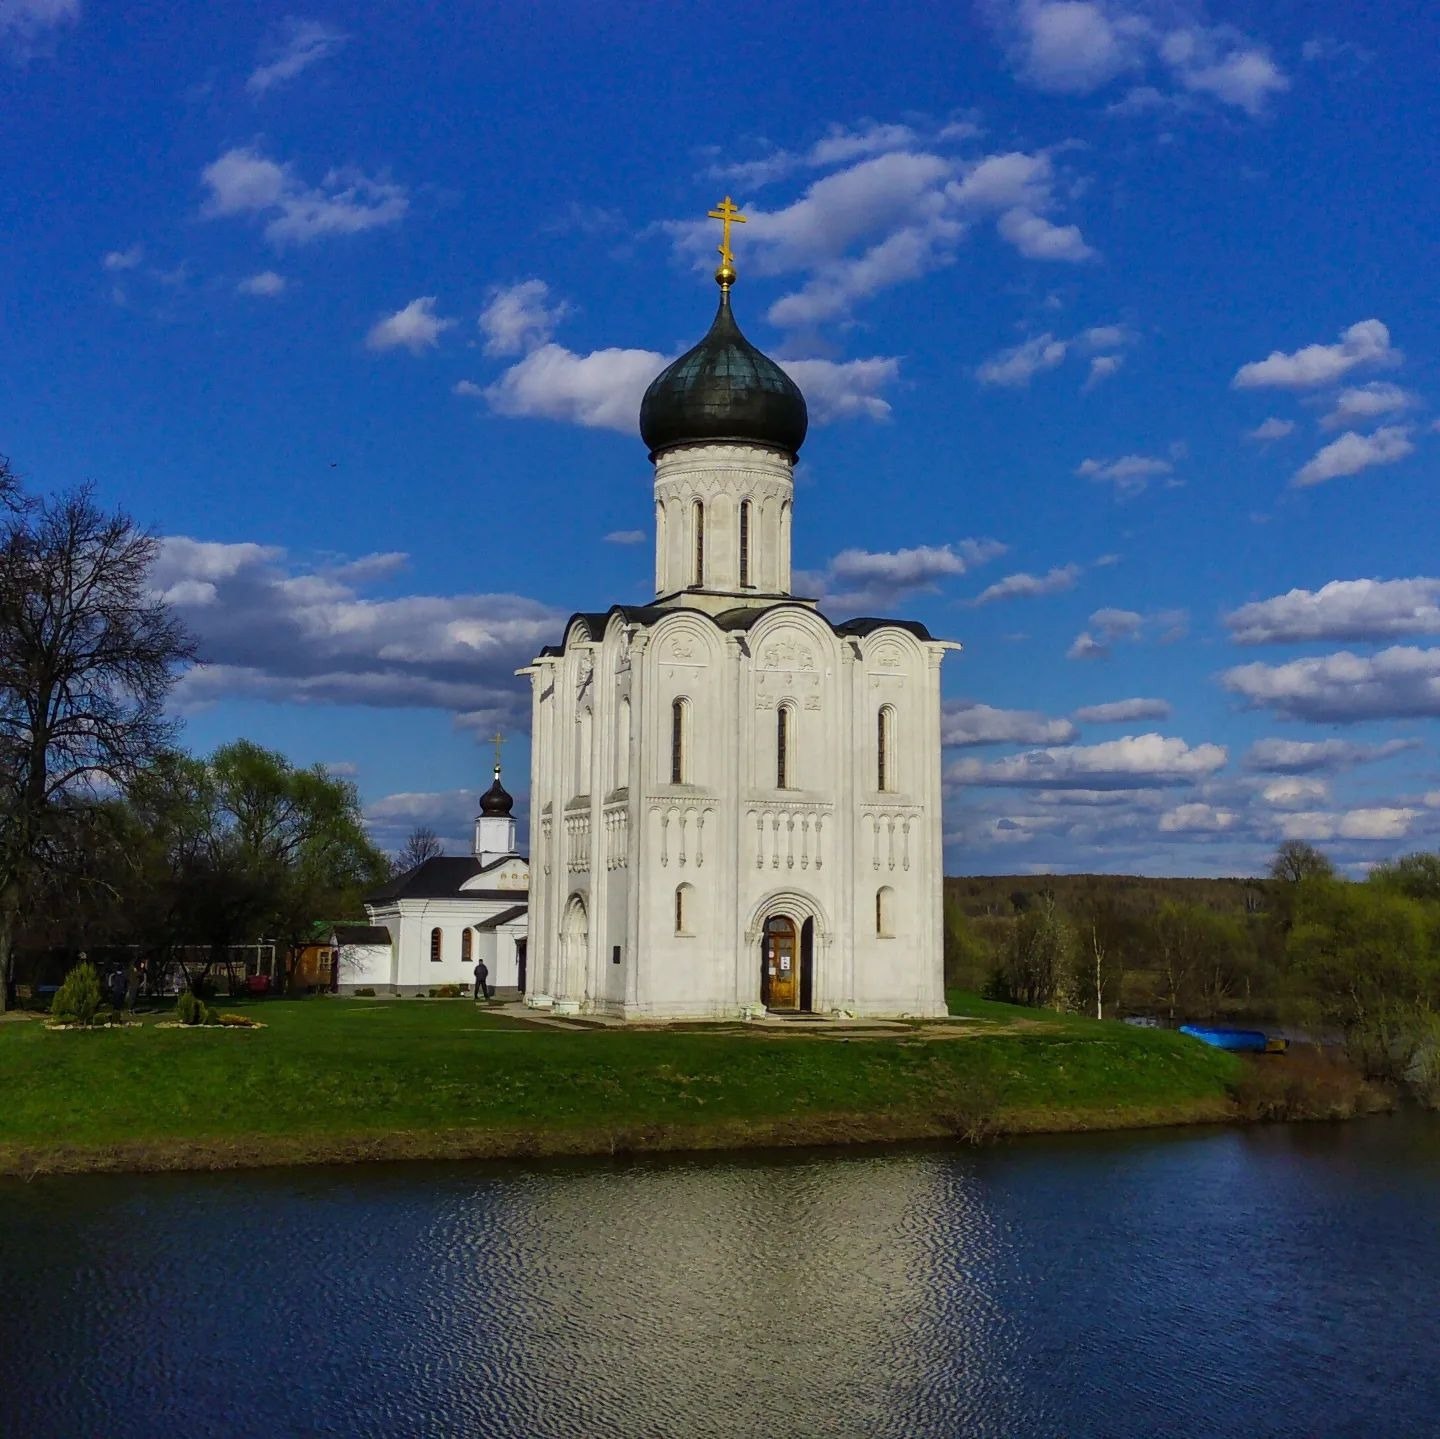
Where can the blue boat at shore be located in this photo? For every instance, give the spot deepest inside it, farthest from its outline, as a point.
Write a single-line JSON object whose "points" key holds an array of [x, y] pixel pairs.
{"points": [[1244, 1041]]}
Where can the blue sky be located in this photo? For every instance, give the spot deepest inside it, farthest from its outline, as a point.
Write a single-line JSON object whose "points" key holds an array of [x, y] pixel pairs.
{"points": [[1116, 320]]}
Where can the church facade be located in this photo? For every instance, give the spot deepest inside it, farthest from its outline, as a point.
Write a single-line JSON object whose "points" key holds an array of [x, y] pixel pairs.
{"points": [[735, 801]]}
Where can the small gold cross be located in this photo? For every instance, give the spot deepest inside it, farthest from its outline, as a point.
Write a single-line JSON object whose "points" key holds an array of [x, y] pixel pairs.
{"points": [[497, 739], [728, 213]]}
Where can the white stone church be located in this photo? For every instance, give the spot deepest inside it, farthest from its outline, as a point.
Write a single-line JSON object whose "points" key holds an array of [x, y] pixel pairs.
{"points": [[735, 803]]}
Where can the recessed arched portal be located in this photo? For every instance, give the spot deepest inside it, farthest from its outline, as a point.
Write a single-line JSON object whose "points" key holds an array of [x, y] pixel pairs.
{"points": [[574, 945], [788, 928]]}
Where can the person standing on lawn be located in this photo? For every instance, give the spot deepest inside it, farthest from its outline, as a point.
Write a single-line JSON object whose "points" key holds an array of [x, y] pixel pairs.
{"points": [[482, 975]]}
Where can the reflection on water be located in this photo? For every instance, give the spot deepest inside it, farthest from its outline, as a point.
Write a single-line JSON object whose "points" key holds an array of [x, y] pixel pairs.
{"points": [[1275, 1282]]}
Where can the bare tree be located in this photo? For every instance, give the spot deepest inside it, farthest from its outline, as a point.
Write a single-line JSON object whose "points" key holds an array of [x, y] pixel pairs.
{"points": [[87, 656], [422, 844]]}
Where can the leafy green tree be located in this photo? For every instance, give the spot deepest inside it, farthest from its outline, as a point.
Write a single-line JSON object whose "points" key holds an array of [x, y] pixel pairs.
{"points": [[1416, 875], [1037, 968], [1203, 955], [88, 654]]}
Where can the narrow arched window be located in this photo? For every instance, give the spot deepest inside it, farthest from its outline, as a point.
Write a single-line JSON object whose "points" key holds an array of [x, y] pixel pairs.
{"points": [[681, 895], [465, 938], [677, 742], [783, 740], [435, 946], [744, 544], [699, 512], [885, 750], [884, 918]]}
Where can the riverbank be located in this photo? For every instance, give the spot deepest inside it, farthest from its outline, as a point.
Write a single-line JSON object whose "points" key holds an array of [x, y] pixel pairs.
{"points": [[349, 1080]]}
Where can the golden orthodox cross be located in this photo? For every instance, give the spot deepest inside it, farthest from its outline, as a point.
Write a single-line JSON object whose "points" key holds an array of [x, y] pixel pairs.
{"points": [[497, 739], [728, 213]]}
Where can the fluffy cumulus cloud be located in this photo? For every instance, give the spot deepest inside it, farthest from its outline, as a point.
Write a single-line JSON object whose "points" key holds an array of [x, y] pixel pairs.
{"points": [[1129, 474], [1123, 711], [1328, 756], [1378, 823], [29, 27], [1295, 792], [266, 285], [845, 389], [1019, 364], [1198, 818], [520, 317], [245, 183], [862, 579], [416, 328], [1352, 453], [1028, 586], [450, 813], [1341, 610], [271, 628], [601, 390], [1398, 683], [296, 46], [1145, 761], [1110, 625], [964, 723], [1362, 403], [1364, 343], [894, 208], [1076, 47]]}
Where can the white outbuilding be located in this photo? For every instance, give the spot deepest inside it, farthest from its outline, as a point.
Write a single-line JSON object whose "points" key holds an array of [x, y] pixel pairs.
{"points": [[735, 801]]}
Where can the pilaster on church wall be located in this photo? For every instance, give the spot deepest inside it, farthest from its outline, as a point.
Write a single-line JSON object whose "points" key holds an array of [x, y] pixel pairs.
{"points": [[642, 738]]}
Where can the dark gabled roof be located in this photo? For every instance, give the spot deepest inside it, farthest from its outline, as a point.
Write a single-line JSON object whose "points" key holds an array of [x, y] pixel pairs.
{"points": [[361, 934], [504, 917], [437, 878], [742, 617]]}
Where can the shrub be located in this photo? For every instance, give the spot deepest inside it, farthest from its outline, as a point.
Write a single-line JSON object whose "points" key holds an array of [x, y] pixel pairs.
{"points": [[365, 994], [448, 991], [1304, 1085], [104, 1015], [190, 1008], [210, 1015], [78, 997], [236, 1021]]}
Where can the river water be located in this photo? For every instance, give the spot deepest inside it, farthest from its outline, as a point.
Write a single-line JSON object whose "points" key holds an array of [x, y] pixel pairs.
{"points": [[1273, 1281]]}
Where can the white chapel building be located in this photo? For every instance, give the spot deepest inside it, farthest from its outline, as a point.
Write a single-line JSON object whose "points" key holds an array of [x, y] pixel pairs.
{"points": [[446, 914], [735, 802]]}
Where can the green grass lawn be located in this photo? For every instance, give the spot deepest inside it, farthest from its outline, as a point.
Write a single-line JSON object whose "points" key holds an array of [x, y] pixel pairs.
{"points": [[356, 1067]]}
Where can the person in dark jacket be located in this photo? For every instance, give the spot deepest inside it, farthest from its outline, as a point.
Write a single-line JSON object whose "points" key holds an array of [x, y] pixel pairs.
{"points": [[482, 975]]}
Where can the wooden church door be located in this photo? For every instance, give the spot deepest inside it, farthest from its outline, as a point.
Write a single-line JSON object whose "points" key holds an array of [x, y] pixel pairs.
{"points": [[779, 972]]}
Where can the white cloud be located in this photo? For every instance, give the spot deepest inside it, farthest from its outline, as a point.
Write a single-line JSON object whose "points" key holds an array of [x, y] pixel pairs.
{"points": [[840, 145], [1352, 453], [298, 45], [963, 723], [1294, 793], [520, 317], [1340, 610], [416, 328], [1123, 711], [267, 284], [1364, 343], [626, 537], [1272, 429], [601, 390], [1086, 647], [468, 388], [1365, 402], [272, 629], [1129, 473], [1101, 368], [1134, 762], [1028, 586], [1373, 824], [1198, 819], [1117, 624], [844, 389], [1291, 756], [1398, 683], [346, 202], [1019, 364], [1037, 238], [1075, 47], [864, 579], [124, 259], [28, 26]]}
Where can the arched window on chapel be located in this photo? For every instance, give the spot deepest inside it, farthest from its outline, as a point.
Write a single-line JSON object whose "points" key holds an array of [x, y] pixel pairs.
{"points": [[435, 946], [699, 513], [465, 939]]}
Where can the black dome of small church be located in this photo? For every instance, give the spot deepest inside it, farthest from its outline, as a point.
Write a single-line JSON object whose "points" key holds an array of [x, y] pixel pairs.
{"points": [[496, 802], [723, 389]]}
